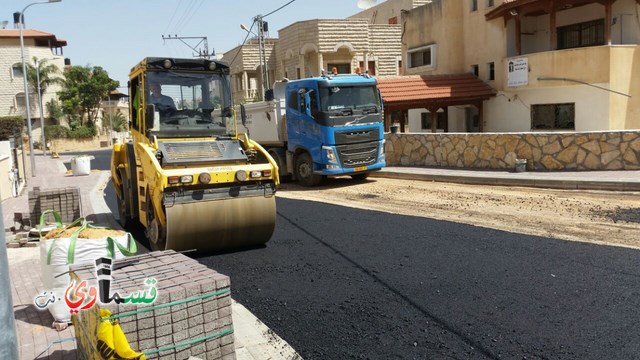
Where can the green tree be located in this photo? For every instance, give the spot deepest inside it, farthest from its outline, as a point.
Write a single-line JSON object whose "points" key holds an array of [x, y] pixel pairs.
{"points": [[83, 89], [54, 109]]}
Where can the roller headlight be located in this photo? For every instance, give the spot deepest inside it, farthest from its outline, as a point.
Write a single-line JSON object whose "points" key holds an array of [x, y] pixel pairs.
{"points": [[184, 179]]}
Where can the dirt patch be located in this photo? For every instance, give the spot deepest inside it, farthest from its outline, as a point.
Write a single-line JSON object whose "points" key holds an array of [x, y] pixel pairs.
{"points": [[603, 217]]}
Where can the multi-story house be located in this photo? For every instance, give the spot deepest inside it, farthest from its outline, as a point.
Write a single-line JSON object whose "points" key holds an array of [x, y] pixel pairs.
{"points": [[555, 65], [367, 41], [39, 44], [246, 68], [343, 45]]}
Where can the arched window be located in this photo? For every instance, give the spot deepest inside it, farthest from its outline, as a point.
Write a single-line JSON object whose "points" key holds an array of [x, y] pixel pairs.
{"points": [[20, 100], [16, 70]]}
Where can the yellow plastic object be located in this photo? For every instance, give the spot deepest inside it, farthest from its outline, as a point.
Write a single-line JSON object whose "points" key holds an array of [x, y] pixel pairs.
{"points": [[112, 343]]}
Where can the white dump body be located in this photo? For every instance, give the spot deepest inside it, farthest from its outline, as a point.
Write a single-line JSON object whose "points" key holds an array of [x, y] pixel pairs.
{"points": [[265, 121]]}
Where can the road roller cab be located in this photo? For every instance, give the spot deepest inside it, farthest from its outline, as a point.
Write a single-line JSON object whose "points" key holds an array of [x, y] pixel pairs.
{"points": [[186, 175]]}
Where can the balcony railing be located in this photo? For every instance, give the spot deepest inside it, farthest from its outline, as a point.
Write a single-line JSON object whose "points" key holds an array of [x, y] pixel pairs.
{"points": [[592, 65]]}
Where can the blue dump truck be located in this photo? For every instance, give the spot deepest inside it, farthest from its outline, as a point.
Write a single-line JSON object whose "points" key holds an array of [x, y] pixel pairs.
{"points": [[329, 125]]}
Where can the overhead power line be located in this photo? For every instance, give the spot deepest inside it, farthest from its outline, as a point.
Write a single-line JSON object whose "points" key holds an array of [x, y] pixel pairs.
{"points": [[280, 8], [173, 14]]}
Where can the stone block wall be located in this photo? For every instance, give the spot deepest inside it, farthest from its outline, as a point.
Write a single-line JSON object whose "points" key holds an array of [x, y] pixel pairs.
{"points": [[607, 150]]}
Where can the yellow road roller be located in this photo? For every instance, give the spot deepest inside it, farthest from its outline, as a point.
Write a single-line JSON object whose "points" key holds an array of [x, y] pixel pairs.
{"points": [[186, 174]]}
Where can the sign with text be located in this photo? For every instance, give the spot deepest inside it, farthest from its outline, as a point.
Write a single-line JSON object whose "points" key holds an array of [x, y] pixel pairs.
{"points": [[518, 72]]}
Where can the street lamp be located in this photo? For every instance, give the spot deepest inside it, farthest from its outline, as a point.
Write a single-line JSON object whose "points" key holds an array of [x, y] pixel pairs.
{"points": [[26, 88], [44, 144]]}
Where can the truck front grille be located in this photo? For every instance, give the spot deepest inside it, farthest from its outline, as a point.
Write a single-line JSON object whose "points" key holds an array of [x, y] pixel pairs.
{"points": [[356, 136], [358, 155]]}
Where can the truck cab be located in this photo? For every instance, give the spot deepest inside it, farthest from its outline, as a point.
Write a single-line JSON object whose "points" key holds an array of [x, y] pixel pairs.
{"points": [[334, 127], [323, 126]]}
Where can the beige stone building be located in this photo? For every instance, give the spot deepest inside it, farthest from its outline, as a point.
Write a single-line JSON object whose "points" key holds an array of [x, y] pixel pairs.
{"points": [[555, 65], [369, 40], [307, 47], [246, 68], [36, 44]]}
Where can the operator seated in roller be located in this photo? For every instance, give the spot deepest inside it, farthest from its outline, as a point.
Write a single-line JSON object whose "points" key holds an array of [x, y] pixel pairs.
{"points": [[163, 103]]}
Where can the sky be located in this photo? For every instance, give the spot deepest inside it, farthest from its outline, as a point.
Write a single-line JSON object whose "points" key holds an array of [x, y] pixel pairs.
{"points": [[117, 34]]}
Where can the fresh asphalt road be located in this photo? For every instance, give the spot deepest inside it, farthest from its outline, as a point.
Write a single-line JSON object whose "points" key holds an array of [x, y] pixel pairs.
{"points": [[337, 282]]}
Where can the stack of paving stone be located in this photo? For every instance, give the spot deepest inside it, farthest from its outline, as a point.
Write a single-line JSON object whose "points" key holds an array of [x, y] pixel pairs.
{"points": [[66, 201], [190, 318]]}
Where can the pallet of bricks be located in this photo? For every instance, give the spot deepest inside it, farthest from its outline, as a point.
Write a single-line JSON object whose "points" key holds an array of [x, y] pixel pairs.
{"points": [[66, 201], [190, 317]]}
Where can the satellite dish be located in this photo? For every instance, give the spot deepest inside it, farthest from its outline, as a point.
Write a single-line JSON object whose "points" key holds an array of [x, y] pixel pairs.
{"points": [[365, 4], [3, 24]]}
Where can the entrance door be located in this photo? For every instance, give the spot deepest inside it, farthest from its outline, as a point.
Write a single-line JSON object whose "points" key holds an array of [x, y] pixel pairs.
{"points": [[472, 119]]}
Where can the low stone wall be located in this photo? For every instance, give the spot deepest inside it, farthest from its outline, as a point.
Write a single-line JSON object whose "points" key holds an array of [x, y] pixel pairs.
{"points": [[60, 145], [609, 150]]}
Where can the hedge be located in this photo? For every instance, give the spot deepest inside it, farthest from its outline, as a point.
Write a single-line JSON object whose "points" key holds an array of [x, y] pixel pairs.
{"points": [[10, 126]]}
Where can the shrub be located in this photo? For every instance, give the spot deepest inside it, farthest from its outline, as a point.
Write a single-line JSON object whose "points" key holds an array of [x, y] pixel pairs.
{"points": [[82, 132], [52, 132], [10, 126]]}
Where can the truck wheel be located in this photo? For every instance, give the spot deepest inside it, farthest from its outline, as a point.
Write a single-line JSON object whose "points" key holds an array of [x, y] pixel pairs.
{"points": [[304, 171], [360, 177]]}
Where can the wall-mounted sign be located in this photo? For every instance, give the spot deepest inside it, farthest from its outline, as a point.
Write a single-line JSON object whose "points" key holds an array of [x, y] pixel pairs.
{"points": [[518, 72]]}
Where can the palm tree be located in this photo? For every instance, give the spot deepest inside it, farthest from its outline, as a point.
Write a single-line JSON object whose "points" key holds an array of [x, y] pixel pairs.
{"points": [[48, 76], [116, 122]]}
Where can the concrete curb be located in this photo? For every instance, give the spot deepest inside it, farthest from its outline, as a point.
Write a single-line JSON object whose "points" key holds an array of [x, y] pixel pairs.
{"points": [[100, 208], [502, 180]]}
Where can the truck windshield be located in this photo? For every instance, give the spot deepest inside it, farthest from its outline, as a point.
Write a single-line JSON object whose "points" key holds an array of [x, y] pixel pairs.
{"points": [[338, 98], [189, 104]]}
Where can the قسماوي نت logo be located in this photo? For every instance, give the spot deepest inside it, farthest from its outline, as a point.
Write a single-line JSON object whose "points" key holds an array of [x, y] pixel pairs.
{"points": [[83, 297]]}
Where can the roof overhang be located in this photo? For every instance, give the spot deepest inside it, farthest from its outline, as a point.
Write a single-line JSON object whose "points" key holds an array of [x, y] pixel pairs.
{"points": [[512, 8], [429, 91], [33, 34]]}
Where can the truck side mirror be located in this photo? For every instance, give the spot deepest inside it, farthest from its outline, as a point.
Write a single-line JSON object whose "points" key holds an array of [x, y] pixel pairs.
{"points": [[243, 115], [307, 101]]}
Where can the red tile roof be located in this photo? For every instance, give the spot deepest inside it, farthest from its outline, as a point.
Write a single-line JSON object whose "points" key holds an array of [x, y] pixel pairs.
{"points": [[30, 33], [422, 90]]}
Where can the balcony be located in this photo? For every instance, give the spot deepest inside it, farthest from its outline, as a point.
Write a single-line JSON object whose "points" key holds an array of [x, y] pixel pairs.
{"points": [[594, 65]]}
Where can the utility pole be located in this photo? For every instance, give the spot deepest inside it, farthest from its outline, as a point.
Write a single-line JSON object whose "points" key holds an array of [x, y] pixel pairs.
{"points": [[262, 27], [9, 338], [203, 53]]}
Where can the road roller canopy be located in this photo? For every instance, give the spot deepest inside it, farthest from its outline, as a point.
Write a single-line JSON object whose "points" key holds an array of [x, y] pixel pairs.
{"points": [[187, 103]]}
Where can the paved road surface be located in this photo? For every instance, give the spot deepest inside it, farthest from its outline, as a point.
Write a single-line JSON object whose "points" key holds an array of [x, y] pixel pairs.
{"points": [[340, 283]]}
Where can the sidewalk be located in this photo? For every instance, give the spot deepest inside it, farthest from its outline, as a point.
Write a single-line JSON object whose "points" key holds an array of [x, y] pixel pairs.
{"points": [[620, 180], [36, 338]]}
